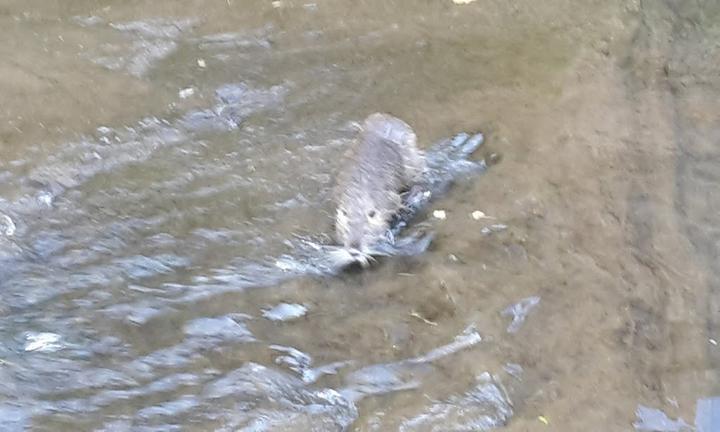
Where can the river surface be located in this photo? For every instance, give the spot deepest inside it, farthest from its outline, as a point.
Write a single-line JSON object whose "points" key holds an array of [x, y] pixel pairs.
{"points": [[161, 163]]}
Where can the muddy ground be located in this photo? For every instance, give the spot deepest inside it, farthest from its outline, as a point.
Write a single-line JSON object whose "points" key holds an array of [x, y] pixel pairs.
{"points": [[607, 120]]}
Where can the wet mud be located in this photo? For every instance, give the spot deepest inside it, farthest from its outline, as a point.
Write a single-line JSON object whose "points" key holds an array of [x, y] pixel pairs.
{"points": [[166, 172]]}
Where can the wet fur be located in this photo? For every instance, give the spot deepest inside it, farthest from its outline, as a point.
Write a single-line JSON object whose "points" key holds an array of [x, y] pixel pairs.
{"points": [[382, 163]]}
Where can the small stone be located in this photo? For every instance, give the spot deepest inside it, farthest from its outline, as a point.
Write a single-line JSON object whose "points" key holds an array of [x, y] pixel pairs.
{"points": [[201, 63], [186, 93], [440, 214], [477, 215]]}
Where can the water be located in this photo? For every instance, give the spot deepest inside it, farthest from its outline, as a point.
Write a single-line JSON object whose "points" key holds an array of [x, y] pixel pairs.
{"points": [[162, 164]]}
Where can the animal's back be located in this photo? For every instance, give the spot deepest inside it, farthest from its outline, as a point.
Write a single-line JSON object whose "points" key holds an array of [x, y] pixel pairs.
{"points": [[382, 162], [373, 164], [385, 157]]}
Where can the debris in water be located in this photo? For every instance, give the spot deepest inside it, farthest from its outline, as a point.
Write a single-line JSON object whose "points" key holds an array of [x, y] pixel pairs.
{"points": [[422, 318], [42, 342], [277, 4], [440, 214], [713, 342], [301, 363], [468, 338], [405, 374], [201, 63], [543, 420], [519, 312], [462, 2], [654, 420], [285, 312], [186, 93]]}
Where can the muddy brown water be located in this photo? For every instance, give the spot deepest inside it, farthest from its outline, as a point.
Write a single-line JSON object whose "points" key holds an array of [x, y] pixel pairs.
{"points": [[151, 152]]}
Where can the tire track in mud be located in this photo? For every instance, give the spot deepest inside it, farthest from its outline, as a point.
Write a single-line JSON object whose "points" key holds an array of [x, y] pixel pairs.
{"points": [[661, 321], [694, 86], [670, 85], [646, 322]]}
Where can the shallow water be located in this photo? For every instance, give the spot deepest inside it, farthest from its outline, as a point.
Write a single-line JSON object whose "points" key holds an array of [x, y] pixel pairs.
{"points": [[156, 159]]}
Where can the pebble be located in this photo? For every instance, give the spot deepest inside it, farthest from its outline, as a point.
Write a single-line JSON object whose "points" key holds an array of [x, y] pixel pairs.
{"points": [[477, 215], [186, 93]]}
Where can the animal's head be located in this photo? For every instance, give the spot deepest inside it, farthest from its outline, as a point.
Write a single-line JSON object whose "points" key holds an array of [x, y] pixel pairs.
{"points": [[361, 222]]}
